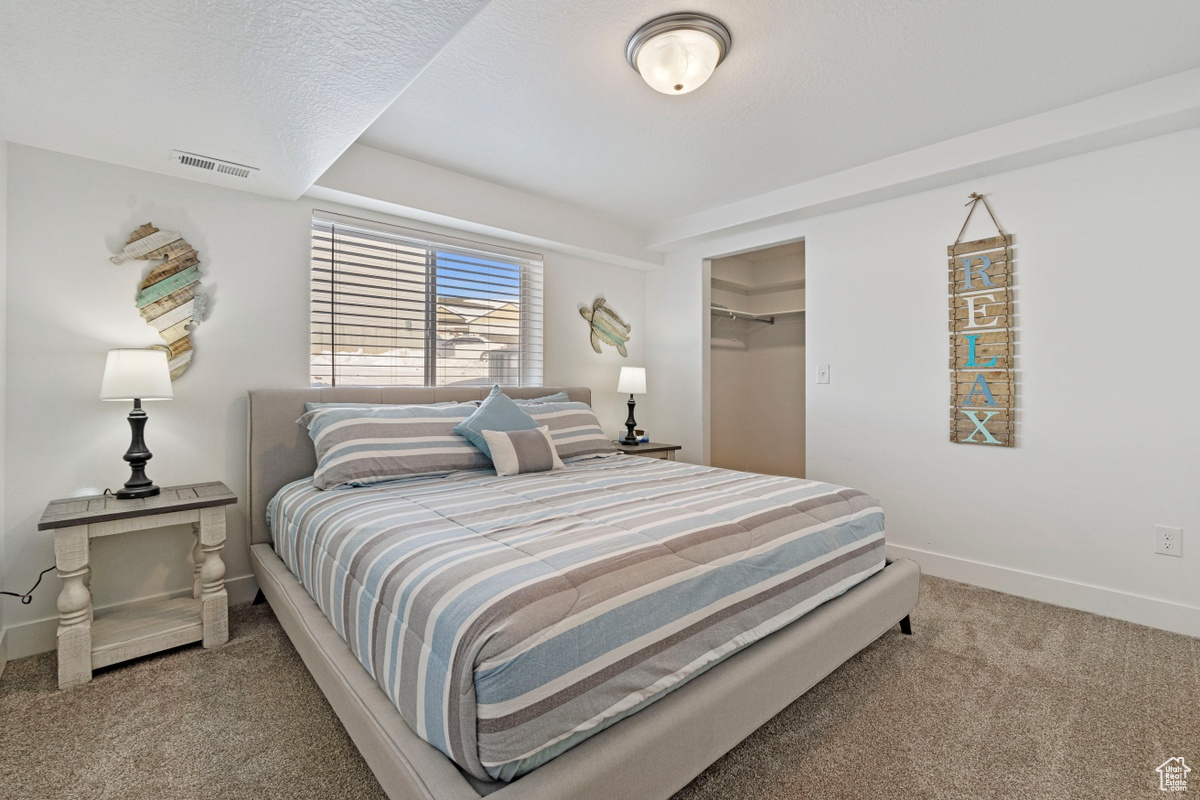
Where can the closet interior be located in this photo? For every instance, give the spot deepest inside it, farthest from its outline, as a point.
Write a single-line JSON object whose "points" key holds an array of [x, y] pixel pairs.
{"points": [[756, 375]]}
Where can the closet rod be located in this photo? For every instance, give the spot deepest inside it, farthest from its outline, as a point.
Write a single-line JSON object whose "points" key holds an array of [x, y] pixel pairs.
{"points": [[732, 314]]}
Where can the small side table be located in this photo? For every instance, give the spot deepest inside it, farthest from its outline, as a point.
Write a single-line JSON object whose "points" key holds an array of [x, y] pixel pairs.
{"points": [[88, 641], [651, 449]]}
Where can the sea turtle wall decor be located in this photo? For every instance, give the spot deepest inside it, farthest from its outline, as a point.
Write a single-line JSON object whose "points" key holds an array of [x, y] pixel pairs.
{"points": [[607, 326], [168, 296]]}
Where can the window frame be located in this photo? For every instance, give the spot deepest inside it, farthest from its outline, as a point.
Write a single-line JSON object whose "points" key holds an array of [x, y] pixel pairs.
{"points": [[473, 262]]}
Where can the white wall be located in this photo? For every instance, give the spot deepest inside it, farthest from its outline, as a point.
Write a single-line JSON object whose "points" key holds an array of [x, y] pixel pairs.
{"points": [[69, 304], [371, 178], [1107, 440], [570, 360], [675, 407], [3, 384]]}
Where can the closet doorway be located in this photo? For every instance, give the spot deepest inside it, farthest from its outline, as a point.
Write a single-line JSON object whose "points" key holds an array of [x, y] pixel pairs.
{"points": [[756, 366]]}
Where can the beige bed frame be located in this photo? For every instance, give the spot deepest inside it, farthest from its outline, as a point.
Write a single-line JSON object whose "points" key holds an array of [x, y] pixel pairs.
{"points": [[648, 756]]}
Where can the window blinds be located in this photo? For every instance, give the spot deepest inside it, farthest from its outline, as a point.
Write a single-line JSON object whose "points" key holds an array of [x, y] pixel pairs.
{"points": [[398, 307]]}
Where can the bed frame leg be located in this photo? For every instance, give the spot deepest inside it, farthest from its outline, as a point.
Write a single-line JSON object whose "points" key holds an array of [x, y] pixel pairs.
{"points": [[906, 626], [261, 598]]}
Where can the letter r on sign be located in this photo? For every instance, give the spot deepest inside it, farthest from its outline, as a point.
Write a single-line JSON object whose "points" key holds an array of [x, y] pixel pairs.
{"points": [[980, 270]]}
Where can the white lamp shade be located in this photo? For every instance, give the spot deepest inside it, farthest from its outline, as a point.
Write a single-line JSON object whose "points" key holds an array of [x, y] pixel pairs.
{"points": [[136, 375], [678, 61], [632, 380]]}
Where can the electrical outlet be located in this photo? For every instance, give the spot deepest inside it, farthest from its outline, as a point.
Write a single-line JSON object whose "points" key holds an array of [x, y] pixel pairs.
{"points": [[1168, 541]]}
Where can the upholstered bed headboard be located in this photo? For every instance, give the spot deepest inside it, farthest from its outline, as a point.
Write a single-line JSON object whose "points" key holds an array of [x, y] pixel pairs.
{"points": [[281, 452]]}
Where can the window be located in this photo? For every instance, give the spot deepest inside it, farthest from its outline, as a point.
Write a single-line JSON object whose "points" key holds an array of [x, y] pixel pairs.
{"points": [[398, 307]]}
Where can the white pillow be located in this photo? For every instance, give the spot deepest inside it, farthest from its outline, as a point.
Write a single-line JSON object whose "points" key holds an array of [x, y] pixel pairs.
{"points": [[517, 452]]}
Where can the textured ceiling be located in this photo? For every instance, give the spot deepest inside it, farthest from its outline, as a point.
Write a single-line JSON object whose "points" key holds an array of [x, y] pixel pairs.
{"points": [[283, 85], [537, 96]]}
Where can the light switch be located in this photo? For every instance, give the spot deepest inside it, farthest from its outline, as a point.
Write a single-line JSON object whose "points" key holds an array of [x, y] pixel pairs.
{"points": [[822, 373]]}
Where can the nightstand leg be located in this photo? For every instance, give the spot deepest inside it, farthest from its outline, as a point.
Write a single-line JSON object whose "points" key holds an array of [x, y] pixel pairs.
{"points": [[74, 607], [213, 597], [197, 561], [87, 582]]}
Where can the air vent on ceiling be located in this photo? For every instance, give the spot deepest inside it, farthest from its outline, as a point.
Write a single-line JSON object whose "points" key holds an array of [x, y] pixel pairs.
{"points": [[213, 164]]}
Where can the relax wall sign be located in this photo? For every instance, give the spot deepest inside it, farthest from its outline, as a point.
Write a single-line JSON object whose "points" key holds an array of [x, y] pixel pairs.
{"points": [[983, 384]]}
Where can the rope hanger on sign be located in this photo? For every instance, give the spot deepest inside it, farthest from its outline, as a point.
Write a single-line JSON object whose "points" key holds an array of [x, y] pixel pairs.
{"points": [[974, 200]]}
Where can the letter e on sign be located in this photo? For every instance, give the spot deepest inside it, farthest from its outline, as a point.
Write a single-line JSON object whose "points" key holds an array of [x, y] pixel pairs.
{"points": [[976, 309]]}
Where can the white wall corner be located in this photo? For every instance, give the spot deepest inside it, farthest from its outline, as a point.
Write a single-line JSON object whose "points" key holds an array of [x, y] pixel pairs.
{"points": [[1156, 108], [676, 403], [1077, 515], [1149, 611], [3, 380], [373, 179]]}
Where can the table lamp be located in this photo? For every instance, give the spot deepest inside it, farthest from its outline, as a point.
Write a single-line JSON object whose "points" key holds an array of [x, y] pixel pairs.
{"points": [[136, 375], [631, 382]]}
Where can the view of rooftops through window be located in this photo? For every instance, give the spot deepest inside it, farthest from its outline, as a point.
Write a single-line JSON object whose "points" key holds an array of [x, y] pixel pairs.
{"points": [[394, 311]]}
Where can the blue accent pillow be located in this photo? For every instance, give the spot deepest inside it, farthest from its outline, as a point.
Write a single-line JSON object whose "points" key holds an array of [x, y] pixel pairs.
{"points": [[497, 413]]}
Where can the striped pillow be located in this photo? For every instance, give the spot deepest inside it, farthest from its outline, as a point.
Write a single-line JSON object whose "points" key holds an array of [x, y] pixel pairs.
{"points": [[516, 452], [314, 406], [573, 428], [557, 397], [360, 446]]}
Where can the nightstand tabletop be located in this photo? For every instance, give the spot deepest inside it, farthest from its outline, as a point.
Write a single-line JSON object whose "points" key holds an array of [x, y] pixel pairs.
{"points": [[647, 447], [71, 511]]}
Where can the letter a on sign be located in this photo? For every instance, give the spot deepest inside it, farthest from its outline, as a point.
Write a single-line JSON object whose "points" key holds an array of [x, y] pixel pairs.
{"points": [[980, 386], [982, 337]]}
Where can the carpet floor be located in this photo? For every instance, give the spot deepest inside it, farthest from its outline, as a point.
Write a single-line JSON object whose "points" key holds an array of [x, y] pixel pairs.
{"points": [[993, 696]]}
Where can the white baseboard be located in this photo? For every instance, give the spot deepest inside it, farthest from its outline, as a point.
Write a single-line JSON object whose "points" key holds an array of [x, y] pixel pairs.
{"points": [[39, 635], [1162, 614]]}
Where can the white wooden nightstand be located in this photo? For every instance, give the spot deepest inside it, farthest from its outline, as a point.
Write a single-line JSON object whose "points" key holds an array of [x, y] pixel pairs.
{"points": [[650, 449], [88, 641]]}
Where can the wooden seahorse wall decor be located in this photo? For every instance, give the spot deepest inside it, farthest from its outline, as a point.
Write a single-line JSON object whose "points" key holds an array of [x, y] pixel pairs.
{"points": [[167, 297], [607, 326]]}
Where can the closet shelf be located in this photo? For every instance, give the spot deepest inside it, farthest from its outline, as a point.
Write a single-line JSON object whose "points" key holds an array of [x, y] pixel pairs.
{"points": [[768, 318], [760, 288]]}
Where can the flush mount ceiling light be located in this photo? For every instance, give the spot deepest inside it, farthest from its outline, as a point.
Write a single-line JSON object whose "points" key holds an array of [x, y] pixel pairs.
{"points": [[677, 53]]}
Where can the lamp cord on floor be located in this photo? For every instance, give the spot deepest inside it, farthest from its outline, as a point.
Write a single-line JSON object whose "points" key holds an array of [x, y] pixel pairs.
{"points": [[27, 598]]}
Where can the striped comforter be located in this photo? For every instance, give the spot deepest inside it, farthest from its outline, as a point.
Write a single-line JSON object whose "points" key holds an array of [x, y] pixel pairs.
{"points": [[510, 618]]}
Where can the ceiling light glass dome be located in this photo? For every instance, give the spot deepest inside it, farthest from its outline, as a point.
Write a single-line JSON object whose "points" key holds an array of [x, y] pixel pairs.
{"points": [[677, 53]]}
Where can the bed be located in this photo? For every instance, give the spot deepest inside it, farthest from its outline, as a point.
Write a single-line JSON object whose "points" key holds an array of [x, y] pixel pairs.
{"points": [[650, 754]]}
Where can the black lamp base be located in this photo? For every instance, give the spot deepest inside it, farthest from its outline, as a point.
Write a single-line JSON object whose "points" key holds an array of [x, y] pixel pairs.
{"points": [[128, 492], [138, 484], [630, 437]]}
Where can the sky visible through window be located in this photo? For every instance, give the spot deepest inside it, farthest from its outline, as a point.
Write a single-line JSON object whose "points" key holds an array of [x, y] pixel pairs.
{"points": [[474, 278]]}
